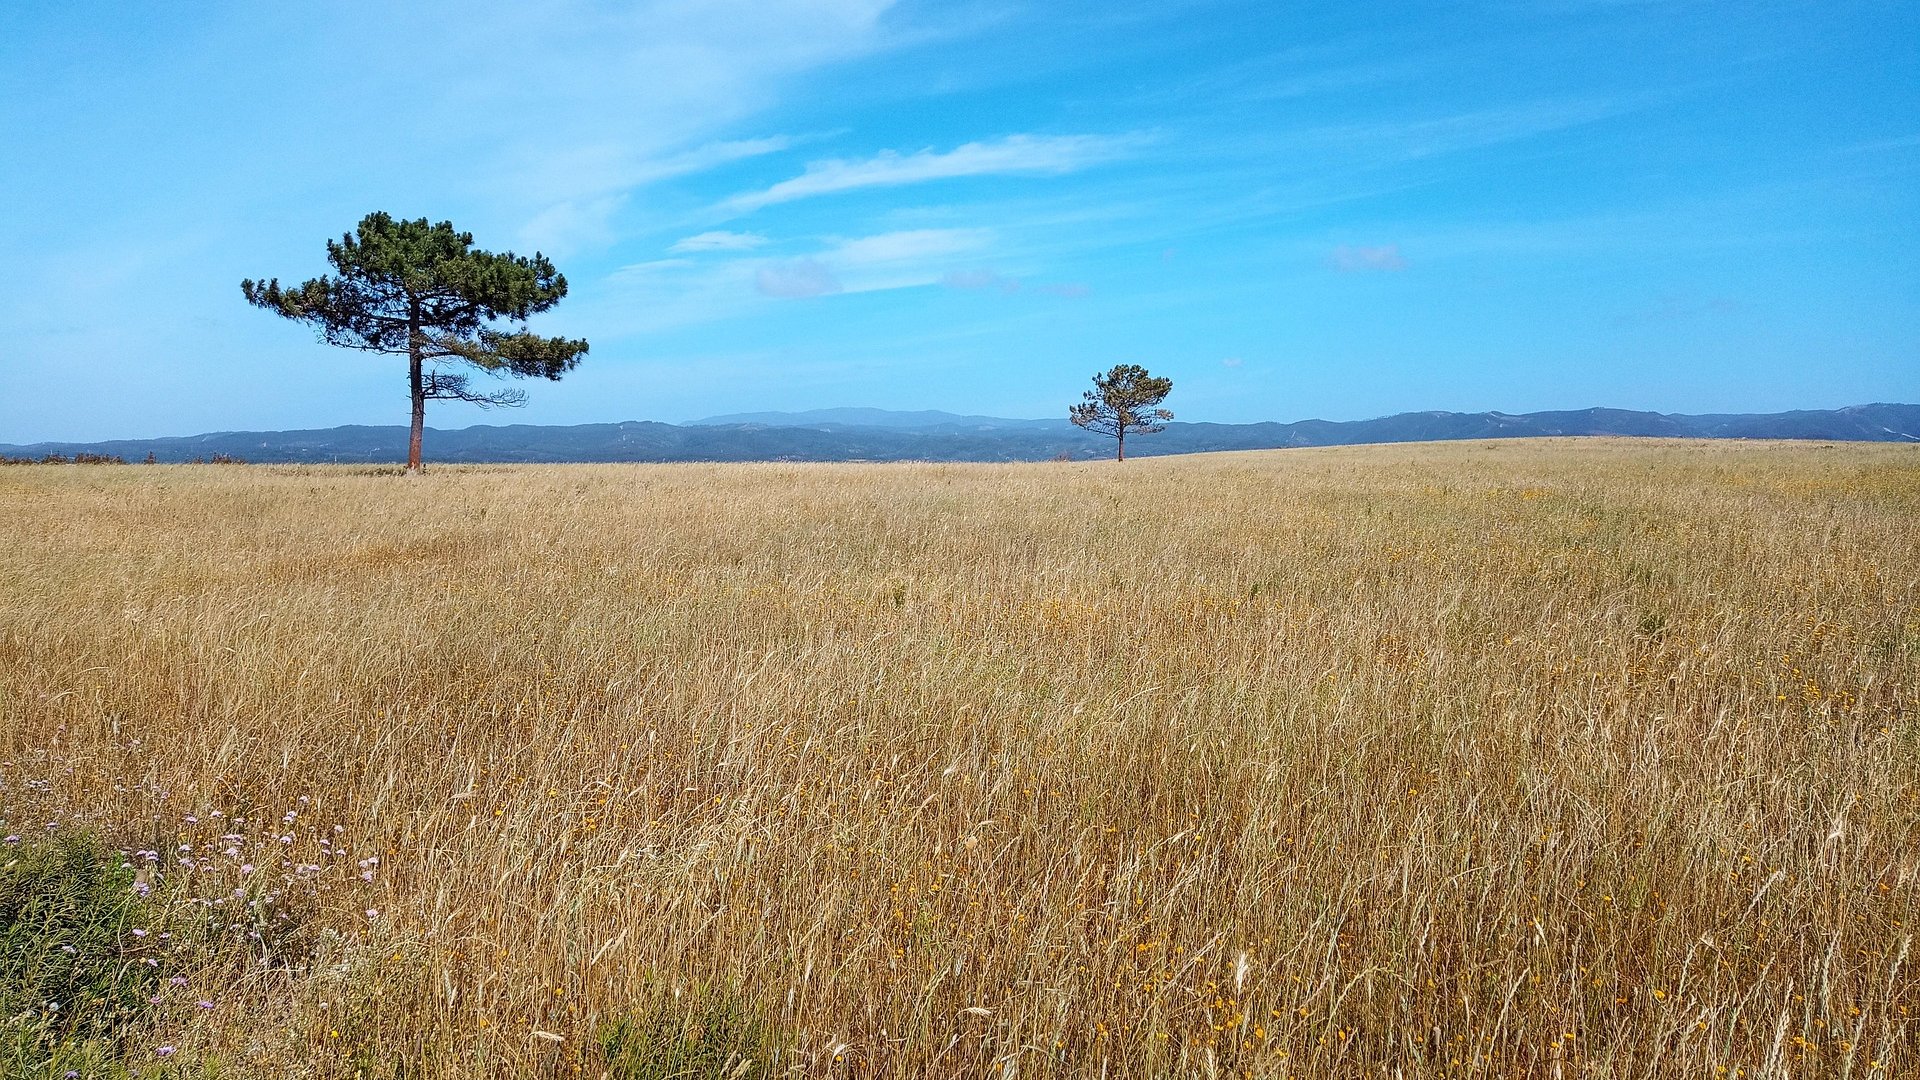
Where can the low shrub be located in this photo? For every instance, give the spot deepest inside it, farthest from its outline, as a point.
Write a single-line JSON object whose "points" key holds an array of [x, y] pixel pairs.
{"points": [[81, 956], [707, 1033], [82, 457]]}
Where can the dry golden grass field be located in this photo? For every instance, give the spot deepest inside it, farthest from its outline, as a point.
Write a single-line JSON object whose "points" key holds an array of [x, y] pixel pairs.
{"points": [[1549, 759]]}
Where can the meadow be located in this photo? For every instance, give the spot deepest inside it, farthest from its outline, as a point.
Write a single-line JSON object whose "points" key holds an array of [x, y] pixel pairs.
{"points": [[1564, 758]]}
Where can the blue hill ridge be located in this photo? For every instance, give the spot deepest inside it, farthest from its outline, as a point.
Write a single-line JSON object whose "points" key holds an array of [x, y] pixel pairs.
{"points": [[930, 435]]}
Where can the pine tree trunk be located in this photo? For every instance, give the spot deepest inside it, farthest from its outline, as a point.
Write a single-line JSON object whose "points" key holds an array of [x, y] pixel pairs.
{"points": [[419, 390], [1120, 446]]}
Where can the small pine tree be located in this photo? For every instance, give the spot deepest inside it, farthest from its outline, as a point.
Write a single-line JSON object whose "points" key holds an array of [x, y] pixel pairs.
{"points": [[1124, 401]]}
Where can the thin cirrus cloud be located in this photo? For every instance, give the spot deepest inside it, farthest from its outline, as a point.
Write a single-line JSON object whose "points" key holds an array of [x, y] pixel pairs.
{"points": [[594, 168], [887, 260], [1360, 258], [1399, 142], [909, 246], [606, 178], [980, 278], [1039, 154], [892, 260], [977, 279], [698, 287], [795, 279], [719, 240]]}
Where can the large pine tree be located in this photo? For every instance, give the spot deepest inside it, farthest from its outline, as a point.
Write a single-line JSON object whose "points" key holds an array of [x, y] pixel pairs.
{"points": [[422, 290]]}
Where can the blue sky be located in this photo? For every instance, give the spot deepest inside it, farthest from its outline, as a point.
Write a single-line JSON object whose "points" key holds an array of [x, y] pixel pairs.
{"points": [[1293, 209]]}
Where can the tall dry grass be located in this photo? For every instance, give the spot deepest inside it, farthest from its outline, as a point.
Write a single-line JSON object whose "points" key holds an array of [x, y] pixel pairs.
{"points": [[1580, 759]]}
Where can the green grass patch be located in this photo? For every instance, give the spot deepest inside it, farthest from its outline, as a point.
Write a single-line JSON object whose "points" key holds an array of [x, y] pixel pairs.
{"points": [[703, 1034], [82, 955]]}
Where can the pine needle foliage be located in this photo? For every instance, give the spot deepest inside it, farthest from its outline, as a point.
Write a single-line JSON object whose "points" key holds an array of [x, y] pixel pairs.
{"points": [[422, 290], [1124, 401]]}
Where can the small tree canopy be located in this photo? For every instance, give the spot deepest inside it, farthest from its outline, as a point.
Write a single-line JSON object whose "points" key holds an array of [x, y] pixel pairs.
{"points": [[420, 289], [1123, 401]]}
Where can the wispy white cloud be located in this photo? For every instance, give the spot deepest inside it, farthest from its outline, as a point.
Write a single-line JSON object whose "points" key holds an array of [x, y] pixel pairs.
{"points": [[564, 227], [650, 268], [630, 95], [1039, 154], [1724, 225], [1675, 308], [1360, 258], [980, 278], [707, 156], [683, 290], [897, 260], [993, 279], [1411, 140], [907, 247], [1877, 146], [795, 279], [606, 174], [720, 240], [1295, 84]]}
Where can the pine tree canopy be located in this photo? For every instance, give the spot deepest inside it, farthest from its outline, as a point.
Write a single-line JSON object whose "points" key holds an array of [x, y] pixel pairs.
{"points": [[1124, 402], [419, 289]]}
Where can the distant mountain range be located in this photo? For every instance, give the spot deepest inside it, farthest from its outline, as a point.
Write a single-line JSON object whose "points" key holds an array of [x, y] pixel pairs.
{"points": [[842, 419], [881, 435]]}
